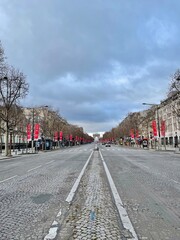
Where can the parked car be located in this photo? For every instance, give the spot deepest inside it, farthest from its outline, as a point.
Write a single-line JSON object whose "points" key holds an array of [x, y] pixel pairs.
{"points": [[145, 143], [108, 145]]}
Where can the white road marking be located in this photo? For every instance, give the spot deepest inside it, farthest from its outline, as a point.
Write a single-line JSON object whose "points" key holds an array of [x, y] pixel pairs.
{"points": [[76, 184], [50, 162], [59, 213], [174, 181], [140, 164], [55, 226], [122, 211], [34, 168], [52, 231], [8, 179]]}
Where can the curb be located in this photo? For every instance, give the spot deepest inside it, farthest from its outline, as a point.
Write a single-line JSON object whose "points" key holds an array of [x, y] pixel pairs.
{"points": [[150, 149]]}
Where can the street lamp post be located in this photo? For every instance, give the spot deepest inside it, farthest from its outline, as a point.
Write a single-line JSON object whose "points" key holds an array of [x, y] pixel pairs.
{"points": [[1, 143], [33, 126], [46, 118], [32, 133], [10, 131], [158, 124], [0, 135], [62, 129], [7, 129]]}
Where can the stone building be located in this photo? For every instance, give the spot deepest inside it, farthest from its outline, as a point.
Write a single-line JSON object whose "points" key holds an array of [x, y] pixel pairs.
{"points": [[168, 111], [166, 114]]}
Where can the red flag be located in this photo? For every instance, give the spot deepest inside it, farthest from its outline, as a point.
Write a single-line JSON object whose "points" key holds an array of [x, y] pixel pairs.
{"points": [[154, 128], [132, 133], [55, 136], [137, 133], [70, 137], [28, 132], [36, 131], [61, 136], [163, 128]]}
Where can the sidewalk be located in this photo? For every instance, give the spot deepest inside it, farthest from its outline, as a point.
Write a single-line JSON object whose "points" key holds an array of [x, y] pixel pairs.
{"points": [[162, 148], [16, 153], [23, 152], [169, 148]]}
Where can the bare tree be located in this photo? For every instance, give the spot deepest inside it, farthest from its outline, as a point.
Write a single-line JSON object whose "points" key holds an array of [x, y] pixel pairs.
{"points": [[2, 59], [174, 94], [175, 83], [13, 87], [19, 123]]}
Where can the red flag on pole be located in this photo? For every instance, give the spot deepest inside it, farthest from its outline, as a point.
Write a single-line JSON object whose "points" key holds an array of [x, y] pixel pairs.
{"points": [[70, 137], [154, 128], [55, 136], [28, 132], [163, 128], [137, 133], [132, 133], [61, 136], [36, 131]]}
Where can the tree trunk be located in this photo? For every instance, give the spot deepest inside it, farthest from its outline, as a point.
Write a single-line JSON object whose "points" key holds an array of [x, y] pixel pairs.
{"points": [[6, 141]]}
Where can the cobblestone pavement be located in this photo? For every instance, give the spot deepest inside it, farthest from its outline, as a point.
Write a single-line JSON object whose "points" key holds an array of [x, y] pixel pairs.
{"points": [[28, 202], [93, 214]]}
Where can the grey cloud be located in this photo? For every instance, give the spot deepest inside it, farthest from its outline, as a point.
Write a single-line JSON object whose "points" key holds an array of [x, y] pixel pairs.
{"points": [[79, 38]]}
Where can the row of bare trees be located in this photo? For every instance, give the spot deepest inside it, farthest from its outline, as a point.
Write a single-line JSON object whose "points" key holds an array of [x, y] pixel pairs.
{"points": [[174, 89], [139, 121], [14, 118], [51, 121], [13, 87]]}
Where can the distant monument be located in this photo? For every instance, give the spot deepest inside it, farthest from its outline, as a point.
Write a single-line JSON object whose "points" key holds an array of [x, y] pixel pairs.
{"points": [[96, 137]]}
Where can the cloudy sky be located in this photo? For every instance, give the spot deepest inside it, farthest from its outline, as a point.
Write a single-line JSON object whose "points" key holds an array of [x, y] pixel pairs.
{"points": [[96, 60]]}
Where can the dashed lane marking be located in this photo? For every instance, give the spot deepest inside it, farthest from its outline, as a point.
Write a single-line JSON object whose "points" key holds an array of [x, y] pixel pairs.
{"points": [[34, 168], [140, 164], [54, 228], [174, 181], [50, 162], [8, 179], [52, 231]]}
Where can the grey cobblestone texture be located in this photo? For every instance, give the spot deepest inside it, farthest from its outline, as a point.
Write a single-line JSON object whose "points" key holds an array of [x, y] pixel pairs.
{"points": [[28, 202], [92, 214]]}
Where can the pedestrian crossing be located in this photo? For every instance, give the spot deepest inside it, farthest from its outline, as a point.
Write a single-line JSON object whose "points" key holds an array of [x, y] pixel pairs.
{"points": [[114, 149], [92, 149]]}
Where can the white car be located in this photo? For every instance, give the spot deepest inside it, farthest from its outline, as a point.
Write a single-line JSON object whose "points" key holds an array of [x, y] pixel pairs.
{"points": [[107, 145]]}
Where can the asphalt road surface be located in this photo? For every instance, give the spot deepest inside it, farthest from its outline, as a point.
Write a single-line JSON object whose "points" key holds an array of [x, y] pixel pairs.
{"points": [[34, 189], [149, 185]]}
